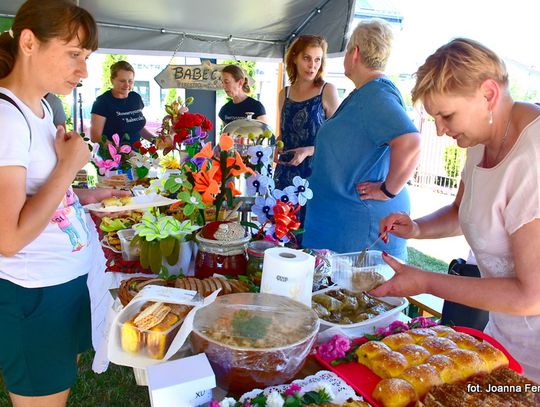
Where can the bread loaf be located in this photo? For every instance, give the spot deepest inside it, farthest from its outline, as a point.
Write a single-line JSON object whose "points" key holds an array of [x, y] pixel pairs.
{"points": [[396, 341], [389, 364], [394, 393], [415, 354]]}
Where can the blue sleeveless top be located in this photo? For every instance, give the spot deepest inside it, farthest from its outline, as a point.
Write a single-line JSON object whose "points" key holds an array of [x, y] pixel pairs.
{"points": [[300, 122]]}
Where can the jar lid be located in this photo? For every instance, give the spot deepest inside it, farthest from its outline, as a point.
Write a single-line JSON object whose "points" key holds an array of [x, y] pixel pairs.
{"points": [[258, 247]]}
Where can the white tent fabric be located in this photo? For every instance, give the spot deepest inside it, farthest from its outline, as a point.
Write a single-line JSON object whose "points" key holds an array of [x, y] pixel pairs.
{"points": [[220, 28]]}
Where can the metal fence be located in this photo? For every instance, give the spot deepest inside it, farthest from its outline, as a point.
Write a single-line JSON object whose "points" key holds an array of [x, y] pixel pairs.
{"points": [[431, 172]]}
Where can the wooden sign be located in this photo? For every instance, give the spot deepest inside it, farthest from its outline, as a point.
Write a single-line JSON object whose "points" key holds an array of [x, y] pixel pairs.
{"points": [[206, 76]]}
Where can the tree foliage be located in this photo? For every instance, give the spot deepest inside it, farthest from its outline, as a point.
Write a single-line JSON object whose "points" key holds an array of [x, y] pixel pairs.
{"points": [[106, 70]]}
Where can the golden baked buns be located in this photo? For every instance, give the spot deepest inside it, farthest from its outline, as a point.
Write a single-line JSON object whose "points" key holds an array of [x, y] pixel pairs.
{"points": [[419, 334], [447, 368], [367, 351], [126, 200], [438, 344], [396, 341], [112, 201], [394, 393], [463, 340], [442, 330], [159, 339], [469, 362], [415, 354], [131, 337], [493, 357], [422, 378], [389, 364]]}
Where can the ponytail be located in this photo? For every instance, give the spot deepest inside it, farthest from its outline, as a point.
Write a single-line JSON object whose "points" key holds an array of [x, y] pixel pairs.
{"points": [[8, 51]]}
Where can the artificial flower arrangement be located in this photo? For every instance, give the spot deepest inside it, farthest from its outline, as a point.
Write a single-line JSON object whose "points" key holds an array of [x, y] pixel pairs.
{"points": [[143, 157], [277, 209], [111, 155], [159, 236], [179, 128], [340, 349], [293, 396]]}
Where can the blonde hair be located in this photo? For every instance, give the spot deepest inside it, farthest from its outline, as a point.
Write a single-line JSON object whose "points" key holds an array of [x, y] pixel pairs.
{"points": [[374, 41], [298, 46], [459, 67], [238, 74]]}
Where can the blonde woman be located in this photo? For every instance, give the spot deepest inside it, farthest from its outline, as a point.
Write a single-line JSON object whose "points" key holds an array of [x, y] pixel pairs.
{"points": [[464, 86], [364, 154]]}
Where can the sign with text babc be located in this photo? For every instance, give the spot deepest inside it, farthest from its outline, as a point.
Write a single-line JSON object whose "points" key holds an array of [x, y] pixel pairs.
{"points": [[206, 76]]}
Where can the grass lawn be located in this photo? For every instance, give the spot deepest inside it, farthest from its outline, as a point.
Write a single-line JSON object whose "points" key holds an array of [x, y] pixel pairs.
{"points": [[116, 387]]}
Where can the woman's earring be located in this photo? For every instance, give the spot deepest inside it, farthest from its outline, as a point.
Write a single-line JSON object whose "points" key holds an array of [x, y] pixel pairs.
{"points": [[490, 121]]}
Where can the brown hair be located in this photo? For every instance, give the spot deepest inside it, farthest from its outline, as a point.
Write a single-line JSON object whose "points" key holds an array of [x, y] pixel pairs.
{"points": [[374, 41], [459, 67], [47, 19], [238, 74], [121, 66], [298, 46]]}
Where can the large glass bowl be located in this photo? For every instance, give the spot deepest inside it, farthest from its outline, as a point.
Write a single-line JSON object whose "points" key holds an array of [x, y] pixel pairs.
{"points": [[254, 340]]}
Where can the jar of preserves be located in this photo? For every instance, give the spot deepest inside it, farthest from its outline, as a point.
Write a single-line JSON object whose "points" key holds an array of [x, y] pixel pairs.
{"points": [[222, 250], [255, 251]]}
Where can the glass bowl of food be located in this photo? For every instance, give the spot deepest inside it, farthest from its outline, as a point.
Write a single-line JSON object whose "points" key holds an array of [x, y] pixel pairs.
{"points": [[254, 340], [360, 271]]}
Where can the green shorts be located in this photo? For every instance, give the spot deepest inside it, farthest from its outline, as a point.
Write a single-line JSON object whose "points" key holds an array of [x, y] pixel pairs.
{"points": [[43, 330]]}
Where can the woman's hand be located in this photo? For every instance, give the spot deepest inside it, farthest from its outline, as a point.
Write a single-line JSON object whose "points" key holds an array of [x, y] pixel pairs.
{"points": [[399, 224], [71, 150], [407, 281], [300, 154], [371, 190]]}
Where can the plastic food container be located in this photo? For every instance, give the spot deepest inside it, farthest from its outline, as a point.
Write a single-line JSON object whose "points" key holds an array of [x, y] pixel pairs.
{"points": [[254, 340], [348, 274], [370, 325], [129, 252], [153, 342]]}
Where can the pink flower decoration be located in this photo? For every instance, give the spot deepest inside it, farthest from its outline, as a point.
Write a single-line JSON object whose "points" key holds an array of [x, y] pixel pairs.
{"points": [[422, 322], [335, 348], [292, 390], [213, 403], [397, 326]]}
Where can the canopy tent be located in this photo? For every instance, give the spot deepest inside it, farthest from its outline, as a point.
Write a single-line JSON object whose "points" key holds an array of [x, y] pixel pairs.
{"points": [[225, 28]]}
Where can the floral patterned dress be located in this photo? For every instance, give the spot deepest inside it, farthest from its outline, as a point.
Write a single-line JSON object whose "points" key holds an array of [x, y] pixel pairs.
{"points": [[300, 122]]}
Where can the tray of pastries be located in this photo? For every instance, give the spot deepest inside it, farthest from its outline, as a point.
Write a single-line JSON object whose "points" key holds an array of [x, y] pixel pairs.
{"points": [[401, 369]]}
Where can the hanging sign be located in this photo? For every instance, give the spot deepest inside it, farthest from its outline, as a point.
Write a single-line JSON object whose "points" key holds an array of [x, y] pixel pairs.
{"points": [[206, 76]]}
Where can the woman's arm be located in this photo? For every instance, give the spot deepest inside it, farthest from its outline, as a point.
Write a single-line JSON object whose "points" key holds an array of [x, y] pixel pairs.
{"points": [[330, 100], [23, 218], [262, 118], [404, 157], [519, 295], [98, 124], [145, 133]]}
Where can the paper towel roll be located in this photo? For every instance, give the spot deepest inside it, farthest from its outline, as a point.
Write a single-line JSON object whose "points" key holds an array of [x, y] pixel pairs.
{"points": [[289, 273]]}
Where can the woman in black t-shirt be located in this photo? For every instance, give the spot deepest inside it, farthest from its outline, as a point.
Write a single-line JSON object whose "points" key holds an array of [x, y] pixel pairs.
{"points": [[235, 85], [119, 110]]}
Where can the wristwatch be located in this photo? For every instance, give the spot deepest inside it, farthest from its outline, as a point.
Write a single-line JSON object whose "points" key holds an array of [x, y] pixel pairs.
{"points": [[387, 192]]}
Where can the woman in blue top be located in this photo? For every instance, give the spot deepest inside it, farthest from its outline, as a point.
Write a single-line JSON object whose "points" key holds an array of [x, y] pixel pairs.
{"points": [[364, 154], [119, 110], [305, 105]]}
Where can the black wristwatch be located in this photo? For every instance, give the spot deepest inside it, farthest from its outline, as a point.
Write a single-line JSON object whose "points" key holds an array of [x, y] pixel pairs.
{"points": [[387, 192]]}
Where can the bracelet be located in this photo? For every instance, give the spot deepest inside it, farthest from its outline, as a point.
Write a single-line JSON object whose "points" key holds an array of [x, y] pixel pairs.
{"points": [[387, 192]]}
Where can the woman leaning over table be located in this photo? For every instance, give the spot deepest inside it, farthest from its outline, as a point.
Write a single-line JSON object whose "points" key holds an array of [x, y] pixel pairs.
{"points": [[305, 105], [364, 154], [235, 85], [464, 86], [45, 251], [119, 110]]}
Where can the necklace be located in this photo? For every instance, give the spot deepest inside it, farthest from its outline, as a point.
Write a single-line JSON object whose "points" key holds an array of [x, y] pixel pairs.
{"points": [[485, 161]]}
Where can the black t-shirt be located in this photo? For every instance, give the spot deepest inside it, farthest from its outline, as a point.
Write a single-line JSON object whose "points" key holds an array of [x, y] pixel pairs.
{"points": [[124, 116], [234, 111]]}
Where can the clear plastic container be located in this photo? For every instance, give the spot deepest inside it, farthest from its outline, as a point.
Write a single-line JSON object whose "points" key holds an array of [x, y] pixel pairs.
{"points": [[254, 340], [153, 342], [354, 276], [129, 252]]}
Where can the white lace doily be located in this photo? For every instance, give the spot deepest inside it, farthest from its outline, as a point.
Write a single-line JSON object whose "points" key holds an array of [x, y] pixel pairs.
{"points": [[341, 390]]}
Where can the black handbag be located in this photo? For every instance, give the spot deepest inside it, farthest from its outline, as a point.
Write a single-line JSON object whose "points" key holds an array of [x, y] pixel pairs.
{"points": [[459, 314]]}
